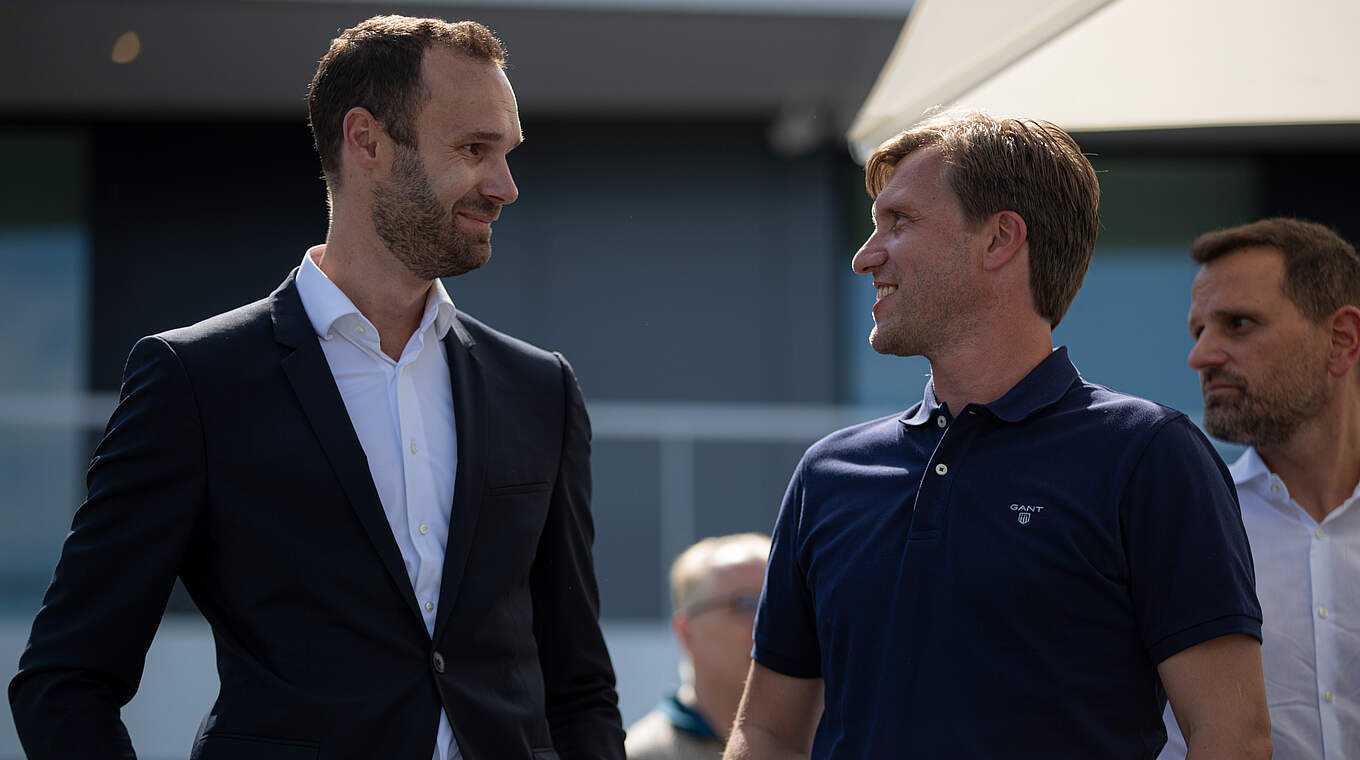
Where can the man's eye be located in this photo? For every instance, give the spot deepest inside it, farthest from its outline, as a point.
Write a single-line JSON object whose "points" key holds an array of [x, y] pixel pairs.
{"points": [[1239, 323], [473, 148]]}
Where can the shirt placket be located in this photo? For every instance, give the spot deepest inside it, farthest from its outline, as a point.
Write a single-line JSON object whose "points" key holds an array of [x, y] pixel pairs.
{"points": [[419, 520], [937, 484], [1320, 563]]}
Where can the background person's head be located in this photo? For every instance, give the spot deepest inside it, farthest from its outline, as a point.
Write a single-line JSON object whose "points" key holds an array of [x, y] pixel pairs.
{"points": [[1032, 168], [715, 585], [1274, 313]]}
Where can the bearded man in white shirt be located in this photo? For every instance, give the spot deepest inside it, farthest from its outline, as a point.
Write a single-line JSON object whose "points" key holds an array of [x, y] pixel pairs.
{"points": [[1275, 316]]}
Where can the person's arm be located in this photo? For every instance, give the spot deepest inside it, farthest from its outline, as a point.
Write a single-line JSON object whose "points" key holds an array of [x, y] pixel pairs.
{"points": [[578, 679], [778, 716], [146, 485], [1218, 695]]}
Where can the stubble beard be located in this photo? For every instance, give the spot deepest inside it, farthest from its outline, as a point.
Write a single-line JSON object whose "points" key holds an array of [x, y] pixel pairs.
{"points": [[1270, 411], [420, 233]]}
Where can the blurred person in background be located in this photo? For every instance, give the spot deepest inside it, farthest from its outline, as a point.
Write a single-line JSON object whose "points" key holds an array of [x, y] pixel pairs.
{"points": [[380, 504], [1016, 565], [715, 587], [1275, 316]]}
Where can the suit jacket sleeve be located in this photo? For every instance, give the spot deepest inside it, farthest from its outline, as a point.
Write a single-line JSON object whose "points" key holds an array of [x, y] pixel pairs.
{"points": [[582, 707], [89, 641]]}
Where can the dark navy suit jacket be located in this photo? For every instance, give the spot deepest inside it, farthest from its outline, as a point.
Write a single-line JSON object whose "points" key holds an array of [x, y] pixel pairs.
{"points": [[231, 463]]}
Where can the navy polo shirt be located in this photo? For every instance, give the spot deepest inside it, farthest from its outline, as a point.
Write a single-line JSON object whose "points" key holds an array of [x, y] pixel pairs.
{"points": [[1003, 583]]}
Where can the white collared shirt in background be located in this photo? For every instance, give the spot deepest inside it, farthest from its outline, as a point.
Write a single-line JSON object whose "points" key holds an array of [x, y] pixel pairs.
{"points": [[1308, 581], [402, 412]]}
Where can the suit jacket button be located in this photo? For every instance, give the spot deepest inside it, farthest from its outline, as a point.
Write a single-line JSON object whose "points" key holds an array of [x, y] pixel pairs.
{"points": [[438, 662]]}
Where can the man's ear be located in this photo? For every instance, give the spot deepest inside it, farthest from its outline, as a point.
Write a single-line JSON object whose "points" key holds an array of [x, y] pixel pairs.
{"points": [[1006, 236], [363, 138], [680, 627], [1344, 350]]}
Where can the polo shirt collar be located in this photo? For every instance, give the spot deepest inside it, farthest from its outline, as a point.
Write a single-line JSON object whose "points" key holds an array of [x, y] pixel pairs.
{"points": [[925, 411], [325, 302], [1044, 386]]}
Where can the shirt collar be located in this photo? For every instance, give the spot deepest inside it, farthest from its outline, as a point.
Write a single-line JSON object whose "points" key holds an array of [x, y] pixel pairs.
{"points": [[686, 719], [1248, 467], [325, 302], [1044, 386]]}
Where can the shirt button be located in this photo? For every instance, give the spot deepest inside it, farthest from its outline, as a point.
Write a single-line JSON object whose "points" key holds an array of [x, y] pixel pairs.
{"points": [[941, 421], [360, 329], [1329, 696], [1319, 532], [438, 660], [423, 529], [1274, 487], [1322, 612], [941, 469], [429, 606], [413, 447]]}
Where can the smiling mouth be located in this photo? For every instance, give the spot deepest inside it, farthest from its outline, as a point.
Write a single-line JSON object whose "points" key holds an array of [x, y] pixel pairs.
{"points": [[478, 218], [883, 291]]}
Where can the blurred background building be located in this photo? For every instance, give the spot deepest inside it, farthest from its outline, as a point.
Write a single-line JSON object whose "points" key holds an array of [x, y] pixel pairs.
{"points": [[688, 211]]}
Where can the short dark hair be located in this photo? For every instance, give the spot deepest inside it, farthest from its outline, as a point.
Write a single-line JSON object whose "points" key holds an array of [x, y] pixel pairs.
{"points": [[1321, 270], [376, 65], [1030, 167]]}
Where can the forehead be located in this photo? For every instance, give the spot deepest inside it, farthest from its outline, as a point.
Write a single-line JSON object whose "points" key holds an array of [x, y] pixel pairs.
{"points": [[1255, 273], [467, 94], [733, 577], [918, 178]]}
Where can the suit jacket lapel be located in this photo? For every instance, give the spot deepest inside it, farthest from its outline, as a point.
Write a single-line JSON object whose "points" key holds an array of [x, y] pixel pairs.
{"points": [[469, 411], [320, 399]]}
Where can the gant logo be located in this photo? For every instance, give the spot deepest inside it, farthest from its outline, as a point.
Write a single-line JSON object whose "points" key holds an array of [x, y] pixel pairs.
{"points": [[1025, 512]]}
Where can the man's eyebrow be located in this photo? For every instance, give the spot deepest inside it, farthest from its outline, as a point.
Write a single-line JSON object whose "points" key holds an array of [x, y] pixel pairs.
{"points": [[490, 137]]}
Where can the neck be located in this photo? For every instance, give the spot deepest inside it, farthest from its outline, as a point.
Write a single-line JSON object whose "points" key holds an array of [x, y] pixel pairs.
{"points": [[1320, 463], [716, 701], [382, 288], [982, 369]]}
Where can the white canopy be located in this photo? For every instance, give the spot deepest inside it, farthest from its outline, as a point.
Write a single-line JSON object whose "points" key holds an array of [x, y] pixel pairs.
{"points": [[1102, 65]]}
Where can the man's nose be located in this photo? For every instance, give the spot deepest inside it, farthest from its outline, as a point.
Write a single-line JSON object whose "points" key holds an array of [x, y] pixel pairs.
{"points": [[499, 185], [869, 256], [1206, 353]]}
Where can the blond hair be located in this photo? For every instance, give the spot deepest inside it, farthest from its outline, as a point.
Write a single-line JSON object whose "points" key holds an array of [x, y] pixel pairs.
{"points": [[694, 564]]}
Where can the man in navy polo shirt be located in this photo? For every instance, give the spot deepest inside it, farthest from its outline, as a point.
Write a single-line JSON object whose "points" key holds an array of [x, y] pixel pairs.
{"points": [[1022, 565]]}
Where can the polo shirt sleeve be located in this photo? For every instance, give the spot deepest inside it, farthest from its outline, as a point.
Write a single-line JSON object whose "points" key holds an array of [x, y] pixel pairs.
{"points": [[1190, 569], [785, 630]]}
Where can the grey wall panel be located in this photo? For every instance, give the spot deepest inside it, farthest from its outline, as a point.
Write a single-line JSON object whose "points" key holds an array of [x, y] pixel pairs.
{"points": [[628, 564], [740, 485], [669, 263]]}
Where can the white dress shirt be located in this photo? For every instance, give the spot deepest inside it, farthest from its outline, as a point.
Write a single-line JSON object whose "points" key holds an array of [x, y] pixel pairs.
{"points": [[1308, 580], [402, 412]]}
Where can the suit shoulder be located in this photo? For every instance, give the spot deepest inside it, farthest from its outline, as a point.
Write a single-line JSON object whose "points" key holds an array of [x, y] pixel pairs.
{"points": [[229, 325], [512, 351]]}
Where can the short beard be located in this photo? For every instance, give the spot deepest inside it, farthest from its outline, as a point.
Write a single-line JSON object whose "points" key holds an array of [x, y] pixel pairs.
{"points": [[420, 233], [1268, 416]]}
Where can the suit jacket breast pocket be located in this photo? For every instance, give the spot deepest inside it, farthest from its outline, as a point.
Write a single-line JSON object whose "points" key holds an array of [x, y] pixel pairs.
{"points": [[232, 747], [515, 488]]}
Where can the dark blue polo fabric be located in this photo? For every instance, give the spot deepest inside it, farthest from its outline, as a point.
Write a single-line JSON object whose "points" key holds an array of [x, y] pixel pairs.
{"points": [[1003, 583]]}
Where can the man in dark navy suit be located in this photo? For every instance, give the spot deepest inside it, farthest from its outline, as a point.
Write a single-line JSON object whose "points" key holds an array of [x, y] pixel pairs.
{"points": [[380, 505]]}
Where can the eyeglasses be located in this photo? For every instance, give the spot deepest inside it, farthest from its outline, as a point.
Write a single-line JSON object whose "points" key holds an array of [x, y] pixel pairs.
{"points": [[741, 604]]}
